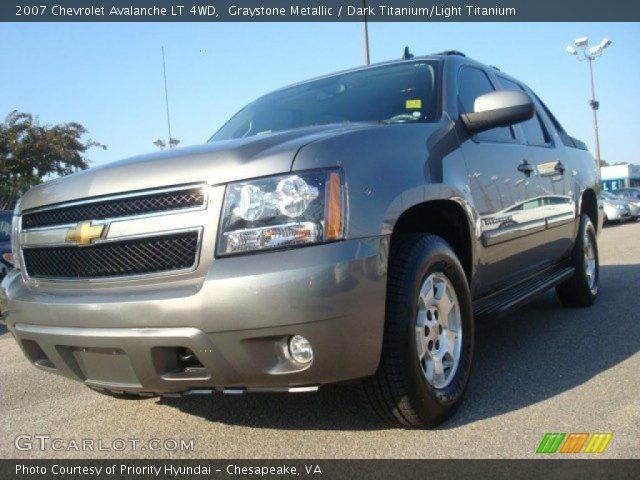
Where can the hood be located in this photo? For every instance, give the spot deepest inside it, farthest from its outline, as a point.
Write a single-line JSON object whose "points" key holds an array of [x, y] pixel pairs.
{"points": [[211, 163], [615, 202]]}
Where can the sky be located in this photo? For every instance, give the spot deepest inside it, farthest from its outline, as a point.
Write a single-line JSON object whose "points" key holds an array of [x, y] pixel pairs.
{"points": [[108, 76]]}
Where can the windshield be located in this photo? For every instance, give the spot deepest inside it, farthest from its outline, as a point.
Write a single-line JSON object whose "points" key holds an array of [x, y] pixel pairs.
{"points": [[609, 196], [5, 227], [398, 93]]}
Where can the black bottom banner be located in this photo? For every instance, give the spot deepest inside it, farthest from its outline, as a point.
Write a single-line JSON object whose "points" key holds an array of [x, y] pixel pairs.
{"points": [[319, 469]]}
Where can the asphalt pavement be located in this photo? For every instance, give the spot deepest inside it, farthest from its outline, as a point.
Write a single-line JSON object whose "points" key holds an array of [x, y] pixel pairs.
{"points": [[542, 369]]}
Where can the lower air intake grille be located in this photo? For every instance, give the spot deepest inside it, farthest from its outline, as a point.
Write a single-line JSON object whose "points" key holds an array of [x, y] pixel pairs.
{"points": [[118, 259]]}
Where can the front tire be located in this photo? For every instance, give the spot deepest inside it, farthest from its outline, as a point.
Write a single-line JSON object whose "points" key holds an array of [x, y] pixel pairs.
{"points": [[581, 289], [428, 340]]}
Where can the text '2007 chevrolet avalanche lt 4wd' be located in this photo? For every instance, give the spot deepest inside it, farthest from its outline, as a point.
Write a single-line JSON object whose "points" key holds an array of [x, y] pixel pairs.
{"points": [[348, 227]]}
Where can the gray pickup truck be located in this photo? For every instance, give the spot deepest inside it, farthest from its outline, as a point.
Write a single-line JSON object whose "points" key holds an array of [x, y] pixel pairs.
{"points": [[350, 227]]}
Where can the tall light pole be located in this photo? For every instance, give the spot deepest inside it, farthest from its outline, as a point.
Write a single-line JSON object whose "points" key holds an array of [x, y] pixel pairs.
{"points": [[171, 142], [365, 32], [582, 51]]}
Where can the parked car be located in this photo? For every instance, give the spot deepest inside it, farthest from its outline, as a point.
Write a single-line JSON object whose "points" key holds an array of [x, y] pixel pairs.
{"points": [[616, 210], [632, 197], [349, 227], [6, 257], [630, 192]]}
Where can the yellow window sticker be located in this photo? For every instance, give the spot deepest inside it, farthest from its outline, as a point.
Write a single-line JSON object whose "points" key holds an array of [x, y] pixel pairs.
{"points": [[415, 103]]}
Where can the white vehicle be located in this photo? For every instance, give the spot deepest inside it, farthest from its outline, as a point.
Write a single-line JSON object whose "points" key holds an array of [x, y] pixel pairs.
{"points": [[632, 197], [615, 210]]}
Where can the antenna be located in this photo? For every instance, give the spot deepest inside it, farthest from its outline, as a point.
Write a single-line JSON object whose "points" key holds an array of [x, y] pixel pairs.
{"points": [[166, 92], [171, 142], [407, 55], [365, 33]]}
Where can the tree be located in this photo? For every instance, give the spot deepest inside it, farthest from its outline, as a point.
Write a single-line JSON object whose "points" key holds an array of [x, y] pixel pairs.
{"points": [[31, 153], [604, 163]]}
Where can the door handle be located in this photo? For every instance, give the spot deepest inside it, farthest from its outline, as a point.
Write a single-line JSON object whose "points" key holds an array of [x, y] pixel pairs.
{"points": [[525, 167], [559, 167]]}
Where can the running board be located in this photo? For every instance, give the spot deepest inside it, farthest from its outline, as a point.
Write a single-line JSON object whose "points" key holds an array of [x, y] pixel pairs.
{"points": [[521, 293]]}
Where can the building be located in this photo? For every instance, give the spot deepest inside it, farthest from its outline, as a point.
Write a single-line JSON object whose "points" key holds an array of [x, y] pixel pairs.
{"points": [[620, 176]]}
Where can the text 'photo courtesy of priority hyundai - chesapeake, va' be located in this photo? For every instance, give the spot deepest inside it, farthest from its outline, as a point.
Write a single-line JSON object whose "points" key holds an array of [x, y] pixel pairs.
{"points": [[426, 246]]}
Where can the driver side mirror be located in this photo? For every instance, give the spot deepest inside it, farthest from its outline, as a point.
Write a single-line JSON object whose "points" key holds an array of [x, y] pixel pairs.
{"points": [[498, 109]]}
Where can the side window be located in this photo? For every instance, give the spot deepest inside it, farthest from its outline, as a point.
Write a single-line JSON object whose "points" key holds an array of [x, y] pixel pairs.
{"points": [[473, 82], [533, 129], [631, 193], [566, 139], [551, 116]]}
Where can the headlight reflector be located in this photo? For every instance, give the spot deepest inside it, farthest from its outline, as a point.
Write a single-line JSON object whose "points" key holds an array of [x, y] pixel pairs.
{"points": [[281, 211], [270, 237], [250, 204], [294, 196]]}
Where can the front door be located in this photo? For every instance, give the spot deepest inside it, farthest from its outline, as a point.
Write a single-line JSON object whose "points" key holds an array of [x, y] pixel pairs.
{"points": [[506, 192]]}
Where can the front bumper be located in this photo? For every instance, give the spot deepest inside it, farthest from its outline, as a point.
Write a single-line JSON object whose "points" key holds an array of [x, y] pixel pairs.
{"points": [[616, 215], [236, 320]]}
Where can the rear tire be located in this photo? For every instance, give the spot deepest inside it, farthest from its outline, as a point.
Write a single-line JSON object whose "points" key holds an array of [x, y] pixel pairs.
{"points": [[428, 340], [581, 289]]}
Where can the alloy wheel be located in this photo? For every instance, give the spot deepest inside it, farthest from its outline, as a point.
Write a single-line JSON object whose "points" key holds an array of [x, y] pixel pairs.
{"points": [[438, 330], [590, 262]]}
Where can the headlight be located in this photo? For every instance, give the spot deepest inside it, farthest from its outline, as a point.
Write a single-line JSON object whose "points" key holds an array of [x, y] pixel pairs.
{"points": [[282, 211], [15, 230]]}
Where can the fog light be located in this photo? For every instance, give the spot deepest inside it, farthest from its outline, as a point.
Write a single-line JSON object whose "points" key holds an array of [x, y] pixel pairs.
{"points": [[300, 349]]}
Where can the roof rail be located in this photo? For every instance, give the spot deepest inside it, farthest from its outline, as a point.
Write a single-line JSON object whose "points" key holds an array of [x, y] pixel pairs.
{"points": [[451, 52], [495, 68]]}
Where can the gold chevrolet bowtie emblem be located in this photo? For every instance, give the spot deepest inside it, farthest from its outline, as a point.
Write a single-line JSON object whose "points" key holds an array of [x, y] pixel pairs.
{"points": [[85, 233]]}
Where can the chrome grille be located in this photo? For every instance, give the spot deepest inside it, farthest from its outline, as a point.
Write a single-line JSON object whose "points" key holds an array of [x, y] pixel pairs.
{"points": [[141, 256], [131, 205]]}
